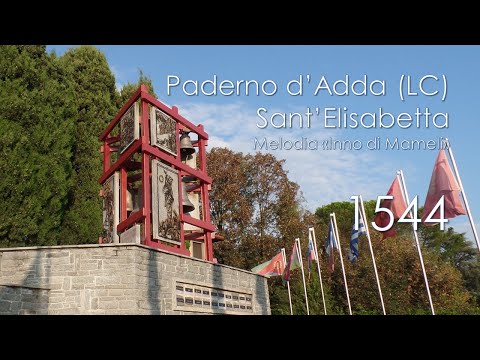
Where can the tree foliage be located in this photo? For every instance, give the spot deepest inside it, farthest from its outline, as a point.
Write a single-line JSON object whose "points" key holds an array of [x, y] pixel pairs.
{"points": [[95, 97], [129, 89], [255, 205], [52, 110], [454, 248], [399, 270], [37, 110]]}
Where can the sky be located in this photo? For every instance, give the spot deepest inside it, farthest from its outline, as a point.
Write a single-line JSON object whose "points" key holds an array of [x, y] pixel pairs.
{"points": [[325, 176]]}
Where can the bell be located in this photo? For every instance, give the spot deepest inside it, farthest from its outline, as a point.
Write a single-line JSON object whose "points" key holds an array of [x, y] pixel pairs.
{"points": [[187, 205], [129, 200], [186, 147], [189, 178], [134, 200]]}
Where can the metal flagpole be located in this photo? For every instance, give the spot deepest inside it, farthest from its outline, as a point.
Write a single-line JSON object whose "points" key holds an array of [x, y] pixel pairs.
{"points": [[365, 222], [311, 232], [288, 282], [337, 239], [464, 196], [407, 200], [297, 240]]}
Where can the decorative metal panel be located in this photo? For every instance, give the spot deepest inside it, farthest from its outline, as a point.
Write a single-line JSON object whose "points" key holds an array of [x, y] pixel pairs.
{"points": [[163, 131], [165, 204], [206, 299], [111, 208], [129, 127]]}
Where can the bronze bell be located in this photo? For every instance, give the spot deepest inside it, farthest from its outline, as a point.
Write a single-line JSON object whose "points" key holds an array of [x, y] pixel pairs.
{"points": [[134, 200], [187, 204], [129, 200], [186, 147], [189, 178]]}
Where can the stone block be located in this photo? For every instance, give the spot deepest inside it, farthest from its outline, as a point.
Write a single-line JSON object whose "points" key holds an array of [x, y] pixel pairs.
{"points": [[94, 303], [107, 305], [127, 304], [115, 292], [5, 306]]}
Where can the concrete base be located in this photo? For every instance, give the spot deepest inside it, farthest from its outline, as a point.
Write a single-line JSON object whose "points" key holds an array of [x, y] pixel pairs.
{"points": [[123, 279]]}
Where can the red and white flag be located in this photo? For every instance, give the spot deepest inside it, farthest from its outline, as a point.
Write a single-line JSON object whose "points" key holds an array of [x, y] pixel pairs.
{"points": [[396, 205], [443, 182]]}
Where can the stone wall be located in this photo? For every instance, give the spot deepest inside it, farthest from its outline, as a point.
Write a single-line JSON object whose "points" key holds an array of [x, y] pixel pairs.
{"points": [[123, 279], [22, 300]]}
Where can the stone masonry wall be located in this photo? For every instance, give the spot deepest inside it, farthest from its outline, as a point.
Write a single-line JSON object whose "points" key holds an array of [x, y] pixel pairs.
{"points": [[21, 300], [123, 279]]}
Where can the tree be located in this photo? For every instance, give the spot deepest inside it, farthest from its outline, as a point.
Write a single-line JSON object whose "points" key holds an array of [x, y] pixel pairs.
{"points": [[399, 271], [37, 110], [52, 111], [454, 248], [449, 245], [254, 204], [95, 96], [129, 89]]}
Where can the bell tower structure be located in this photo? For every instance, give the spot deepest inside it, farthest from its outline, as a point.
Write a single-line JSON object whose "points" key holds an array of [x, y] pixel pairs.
{"points": [[155, 185]]}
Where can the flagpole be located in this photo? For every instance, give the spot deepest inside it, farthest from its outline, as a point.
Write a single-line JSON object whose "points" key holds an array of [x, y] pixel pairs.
{"points": [[337, 237], [407, 200], [464, 196], [312, 232], [288, 282], [303, 274], [364, 215], [289, 297]]}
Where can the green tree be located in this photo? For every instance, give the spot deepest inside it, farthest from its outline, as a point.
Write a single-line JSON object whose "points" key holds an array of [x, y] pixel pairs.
{"points": [[128, 89], [399, 271], [254, 204], [449, 245], [471, 275], [95, 96], [37, 110], [454, 248]]}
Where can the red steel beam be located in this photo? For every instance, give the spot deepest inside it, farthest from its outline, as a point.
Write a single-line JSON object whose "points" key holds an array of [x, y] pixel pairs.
{"points": [[198, 223], [124, 108], [123, 194], [132, 219], [116, 166], [159, 245], [106, 157], [205, 199], [146, 175], [174, 114], [198, 236], [177, 163], [113, 139], [180, 192]]}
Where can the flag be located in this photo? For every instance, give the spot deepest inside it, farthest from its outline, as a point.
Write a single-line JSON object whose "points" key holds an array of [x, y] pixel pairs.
{"points": [[443, 182], [272, 267], [310, 254], [353, 254], [331, 245], [293, 264], [397, 206]]}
